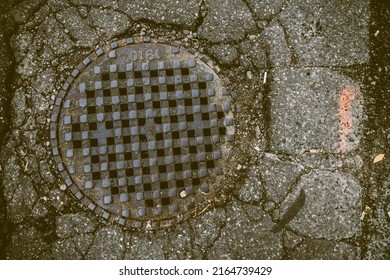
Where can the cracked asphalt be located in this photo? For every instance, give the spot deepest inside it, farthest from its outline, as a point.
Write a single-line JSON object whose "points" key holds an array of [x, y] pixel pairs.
{"points": [[311, 112]]}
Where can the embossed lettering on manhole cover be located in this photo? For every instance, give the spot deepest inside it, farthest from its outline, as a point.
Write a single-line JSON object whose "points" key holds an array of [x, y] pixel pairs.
{"points": [[140, 133]]}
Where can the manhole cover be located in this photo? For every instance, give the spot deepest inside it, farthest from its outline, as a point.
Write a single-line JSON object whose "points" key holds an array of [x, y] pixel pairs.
{"points": [[140, 133]]}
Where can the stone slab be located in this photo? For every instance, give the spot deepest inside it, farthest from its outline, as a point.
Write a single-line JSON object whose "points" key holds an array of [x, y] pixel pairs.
{"points": [[226, 24], [332, 33], [324, 250], [246, 235], [314, 108], [332, 208]]}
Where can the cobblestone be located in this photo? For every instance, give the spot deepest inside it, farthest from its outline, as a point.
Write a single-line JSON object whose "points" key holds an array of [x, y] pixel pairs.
{"points": [[279, 176], [147, 246], [320, 39], [207, 227], [184, 13], [306, 107], [65, 250], [266, 9], [109, 23], [226, 25], [279, 54], [180, 243], [70, 225], [252, 189], [246, 235], [225, 54], [79, 30], [107, 245], [332, 209], [324, 250], [27, 244]]}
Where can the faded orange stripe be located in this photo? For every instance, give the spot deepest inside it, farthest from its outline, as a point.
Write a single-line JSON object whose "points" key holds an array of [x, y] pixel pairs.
{"points": [[345, 115]]}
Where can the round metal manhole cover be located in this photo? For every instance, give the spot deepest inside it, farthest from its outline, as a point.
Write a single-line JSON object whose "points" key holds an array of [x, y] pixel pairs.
{"points": [[140, 132]]}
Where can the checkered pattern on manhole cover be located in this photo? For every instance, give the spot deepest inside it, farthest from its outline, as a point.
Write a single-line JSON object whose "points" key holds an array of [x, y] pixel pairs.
{"points": [[139, 133]]}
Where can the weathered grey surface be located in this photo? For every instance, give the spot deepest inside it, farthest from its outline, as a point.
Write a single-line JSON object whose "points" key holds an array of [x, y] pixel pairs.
{"points": [[279, 176], [279, 53], [226, 24], [27, 244], [184, 13], [246, 235], [252, 190], [333, 33], [305, 111], [108, 244], [147, 246], [295, 113], [224, 53], [332, 209], [324, 250], [266, 9]]}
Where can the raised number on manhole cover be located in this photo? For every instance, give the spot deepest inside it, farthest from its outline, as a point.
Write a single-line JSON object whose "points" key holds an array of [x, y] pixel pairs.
{"points": [[140, 132]]}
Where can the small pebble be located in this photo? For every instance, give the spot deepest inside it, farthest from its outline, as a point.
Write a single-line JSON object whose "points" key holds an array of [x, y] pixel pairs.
{"points": [[63, 187], [239, 167], [249, 75], [183, 194]]}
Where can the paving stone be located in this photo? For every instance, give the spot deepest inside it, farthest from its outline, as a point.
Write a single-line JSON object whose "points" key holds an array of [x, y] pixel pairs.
{"points": [[224, 53], [266, 9], [73, 224], [252, 54], [324, 250], [228, 24], [180, 245], [95, 3], [107, 245], [24, 11], [252, 189], [20, 195], [290, 239], [332, 207], [78, 28], [378, 238], [58, 4], [207, 227], [26, 244], [109, 23], [278, 176], [246, 235], [65, 250], [82, 242], [314, 108], [40, 210], [58, 199], [147, 246], [184, 13], [331, 33], [54, 33], [278, 52]]}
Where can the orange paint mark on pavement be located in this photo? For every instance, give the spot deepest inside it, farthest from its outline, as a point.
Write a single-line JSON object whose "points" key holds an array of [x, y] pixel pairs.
{"points": [[345, 115]]}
